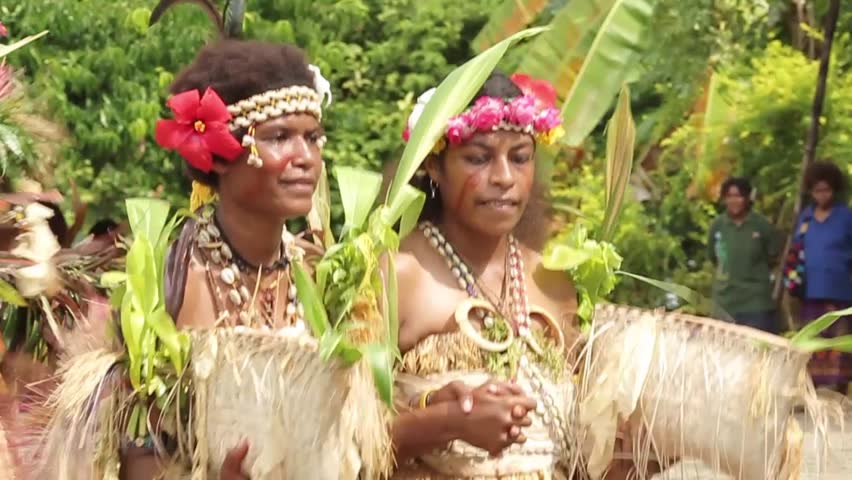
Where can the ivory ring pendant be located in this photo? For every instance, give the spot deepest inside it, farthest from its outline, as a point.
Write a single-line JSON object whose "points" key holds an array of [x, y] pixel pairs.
{"points": [[550, 323], [462, 317]]}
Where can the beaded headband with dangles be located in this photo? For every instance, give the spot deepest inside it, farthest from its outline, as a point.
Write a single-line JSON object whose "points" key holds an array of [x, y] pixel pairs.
{"points": [[203, 126], [271, 104]]}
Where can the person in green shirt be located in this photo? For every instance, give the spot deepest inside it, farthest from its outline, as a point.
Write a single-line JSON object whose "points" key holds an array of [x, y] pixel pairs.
{"points": [[743, 246]]}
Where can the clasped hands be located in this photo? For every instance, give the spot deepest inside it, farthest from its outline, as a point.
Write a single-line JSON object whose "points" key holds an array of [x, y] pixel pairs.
{"points": [[491, 416]]}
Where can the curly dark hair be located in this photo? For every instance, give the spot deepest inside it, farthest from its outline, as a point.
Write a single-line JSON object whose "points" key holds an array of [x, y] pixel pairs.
{"points": [[742, 184], [828, 172], [238, 69], [534, 228]]}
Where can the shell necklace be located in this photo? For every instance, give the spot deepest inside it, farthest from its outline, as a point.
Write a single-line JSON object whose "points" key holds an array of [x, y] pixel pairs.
{"points": [[547, 409], [216, 250]]}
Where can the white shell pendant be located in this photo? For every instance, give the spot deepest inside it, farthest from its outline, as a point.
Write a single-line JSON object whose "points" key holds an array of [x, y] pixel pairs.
{"points": [[227, 276]]}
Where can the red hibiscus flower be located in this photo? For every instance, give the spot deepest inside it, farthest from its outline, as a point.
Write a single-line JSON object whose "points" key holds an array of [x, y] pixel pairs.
{"points": [[3, 31], [199, 129], [542, 90]]}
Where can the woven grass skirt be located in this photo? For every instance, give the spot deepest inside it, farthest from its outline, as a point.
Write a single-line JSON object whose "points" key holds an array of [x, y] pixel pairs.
{"points": [[303, 417], [694, 387]]}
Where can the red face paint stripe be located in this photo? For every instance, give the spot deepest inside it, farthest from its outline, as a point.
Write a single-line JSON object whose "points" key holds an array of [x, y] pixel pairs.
{"points": [[470, 183]]}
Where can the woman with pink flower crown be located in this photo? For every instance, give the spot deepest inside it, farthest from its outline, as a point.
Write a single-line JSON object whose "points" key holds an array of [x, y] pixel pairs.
{"points": [[485, 386]]}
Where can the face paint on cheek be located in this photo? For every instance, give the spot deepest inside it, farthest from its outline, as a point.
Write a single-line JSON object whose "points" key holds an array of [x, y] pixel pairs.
{"points": [[276, 163], [470, 183]]}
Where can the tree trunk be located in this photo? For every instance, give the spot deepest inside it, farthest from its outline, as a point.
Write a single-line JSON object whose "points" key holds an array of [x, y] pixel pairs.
{"points": [[819, 96], [816, 112]]}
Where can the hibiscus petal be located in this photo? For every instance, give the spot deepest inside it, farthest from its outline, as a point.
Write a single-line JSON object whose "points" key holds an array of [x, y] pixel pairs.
{"points": [[171, 134], [541, 89], [212, 108], [219, 140], [195, 151], [185, 106]]}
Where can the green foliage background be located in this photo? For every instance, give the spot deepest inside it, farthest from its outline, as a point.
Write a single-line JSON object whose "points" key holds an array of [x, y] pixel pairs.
{"points": [[103, 74]]}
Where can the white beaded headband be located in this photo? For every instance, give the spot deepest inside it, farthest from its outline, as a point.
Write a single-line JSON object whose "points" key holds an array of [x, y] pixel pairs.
{"points": [[283, 101]]}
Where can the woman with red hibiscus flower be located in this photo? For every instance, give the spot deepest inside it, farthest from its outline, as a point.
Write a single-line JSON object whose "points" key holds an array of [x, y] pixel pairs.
{"points": [[246, 119]]}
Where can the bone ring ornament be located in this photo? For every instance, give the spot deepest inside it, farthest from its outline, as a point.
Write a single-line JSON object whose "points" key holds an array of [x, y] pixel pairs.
{"points": [[462, 317], [550, 323]]}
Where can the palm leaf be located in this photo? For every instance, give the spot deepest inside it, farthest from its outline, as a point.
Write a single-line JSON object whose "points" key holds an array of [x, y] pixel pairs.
{"points": [[358, 192], [608, 64], [812, 330], [380, 359], [147, 217], [390, 298], [621, 136], [407, 210], [509, 18], [309, 297], [7, 49], [207, 5], [557, 55], [687, 294], [9, 294], [450, 98], [319, 218], [840, 344]]}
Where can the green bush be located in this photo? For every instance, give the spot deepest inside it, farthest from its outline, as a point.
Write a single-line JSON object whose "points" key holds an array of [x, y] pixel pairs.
{"points": [[104, 74]]}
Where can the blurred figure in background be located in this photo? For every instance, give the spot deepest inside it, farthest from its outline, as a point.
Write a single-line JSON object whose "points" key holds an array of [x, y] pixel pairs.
{"points": [[824, 231], [743, 246]]}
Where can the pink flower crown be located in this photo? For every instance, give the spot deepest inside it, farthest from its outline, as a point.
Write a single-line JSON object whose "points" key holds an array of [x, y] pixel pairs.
{"points": [[533, 113]]}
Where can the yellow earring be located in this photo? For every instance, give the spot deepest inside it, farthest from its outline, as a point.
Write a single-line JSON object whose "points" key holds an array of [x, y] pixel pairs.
{"points": [[249, 141], [201, 195]]}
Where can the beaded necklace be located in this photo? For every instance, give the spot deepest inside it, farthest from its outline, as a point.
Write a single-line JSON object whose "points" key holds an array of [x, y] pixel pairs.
{"points": [[233, 274], [546, 408]]}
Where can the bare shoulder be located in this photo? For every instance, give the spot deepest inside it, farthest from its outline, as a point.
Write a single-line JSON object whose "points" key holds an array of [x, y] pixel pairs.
{"points": [[552, 290], [555, 285], [409, 269]]}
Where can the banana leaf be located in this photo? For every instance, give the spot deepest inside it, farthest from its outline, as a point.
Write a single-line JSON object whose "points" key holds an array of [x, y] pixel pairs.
{"points": [[713, 116], [450, 98], [7, 49], [558, 54], [608, 63], [621, 137], [507, 19]]}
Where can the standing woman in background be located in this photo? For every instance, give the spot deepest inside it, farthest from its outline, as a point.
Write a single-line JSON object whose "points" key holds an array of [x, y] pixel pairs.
{"points": [[743, 246], [824, 233]]}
